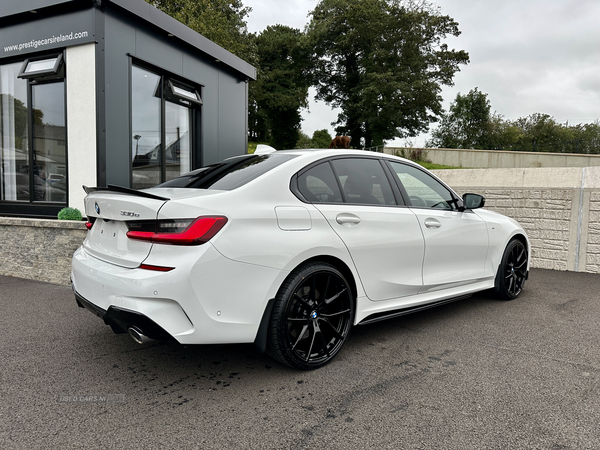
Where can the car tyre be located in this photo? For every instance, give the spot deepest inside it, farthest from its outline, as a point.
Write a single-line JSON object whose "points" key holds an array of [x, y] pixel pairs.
{"points": [[312, 317], [512, 271]]}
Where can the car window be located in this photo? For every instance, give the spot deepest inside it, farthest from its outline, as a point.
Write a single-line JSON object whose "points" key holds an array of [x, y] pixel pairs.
{"points": [[318, 185], [363, 181], [229, 174], [423, 190]]}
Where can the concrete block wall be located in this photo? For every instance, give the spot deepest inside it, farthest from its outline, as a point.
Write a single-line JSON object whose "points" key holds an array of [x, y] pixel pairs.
{"points": [[495, 159], [559, 208], [592, 263], [39, 249]]}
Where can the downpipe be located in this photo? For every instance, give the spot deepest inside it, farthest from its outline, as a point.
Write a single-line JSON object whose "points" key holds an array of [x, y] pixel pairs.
{"points": [[137, 335]]}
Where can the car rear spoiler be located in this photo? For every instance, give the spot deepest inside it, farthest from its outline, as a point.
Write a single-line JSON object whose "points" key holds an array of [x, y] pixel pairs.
{"points": [[123, 190]]}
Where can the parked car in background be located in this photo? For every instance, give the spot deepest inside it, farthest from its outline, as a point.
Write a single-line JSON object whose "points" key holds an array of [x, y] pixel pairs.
{"points": [[289, 250], [54, 177]]}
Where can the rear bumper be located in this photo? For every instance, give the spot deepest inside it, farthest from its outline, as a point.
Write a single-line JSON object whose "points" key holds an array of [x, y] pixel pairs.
{"points": [[120, 320], [206, 299]]}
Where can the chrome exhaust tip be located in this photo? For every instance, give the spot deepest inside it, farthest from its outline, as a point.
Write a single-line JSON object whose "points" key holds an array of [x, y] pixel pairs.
{"points": [[137, 335]]}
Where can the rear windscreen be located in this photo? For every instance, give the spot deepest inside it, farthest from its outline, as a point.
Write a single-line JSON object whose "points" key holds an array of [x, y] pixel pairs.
{"points": [[229, 174]]}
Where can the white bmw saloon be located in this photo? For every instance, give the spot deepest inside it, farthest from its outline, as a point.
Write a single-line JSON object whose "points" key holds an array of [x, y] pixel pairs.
{"points": [[289, 250]]}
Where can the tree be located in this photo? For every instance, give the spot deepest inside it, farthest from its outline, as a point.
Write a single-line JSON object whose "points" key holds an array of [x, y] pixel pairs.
{"points": [[221, 21], [320, 139], [283, 79], [303, 141], [468, 124], [587, 138], [382, 62], [541, 133]]}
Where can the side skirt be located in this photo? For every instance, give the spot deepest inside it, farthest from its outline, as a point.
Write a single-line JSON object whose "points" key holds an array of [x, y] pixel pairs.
{"points": [[377, 317]]}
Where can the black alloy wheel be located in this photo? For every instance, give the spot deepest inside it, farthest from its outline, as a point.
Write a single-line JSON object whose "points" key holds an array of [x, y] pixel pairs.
{"points": [[312, 317], [512, 272]]}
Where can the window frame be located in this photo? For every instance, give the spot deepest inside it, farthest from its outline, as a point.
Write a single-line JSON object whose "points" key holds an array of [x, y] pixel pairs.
{"points": [[39, 208], [457, 200], [170, 94], [168, 79], [398, 197], [57, 71]]}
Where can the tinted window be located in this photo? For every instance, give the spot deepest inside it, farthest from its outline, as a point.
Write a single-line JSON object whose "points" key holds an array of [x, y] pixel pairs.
{"points": [[423, 190], [318, 185], [363, 181], [229, 174]]}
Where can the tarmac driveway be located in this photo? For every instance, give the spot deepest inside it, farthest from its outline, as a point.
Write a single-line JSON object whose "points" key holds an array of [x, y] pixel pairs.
{"points": [[476, 374]]}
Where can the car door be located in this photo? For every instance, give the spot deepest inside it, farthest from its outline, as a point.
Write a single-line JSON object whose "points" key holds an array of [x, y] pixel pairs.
{"points": [[456, 242], [382, 235]]}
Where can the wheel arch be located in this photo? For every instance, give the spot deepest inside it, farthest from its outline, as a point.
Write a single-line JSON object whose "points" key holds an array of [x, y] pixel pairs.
{"points": [[339, 265], [523, 239], [260, 341], [515, 276]]}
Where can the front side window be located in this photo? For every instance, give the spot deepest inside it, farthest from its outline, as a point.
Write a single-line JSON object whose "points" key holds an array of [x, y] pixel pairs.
{"points": [[423, 190], [162, 113], [33, 150]]}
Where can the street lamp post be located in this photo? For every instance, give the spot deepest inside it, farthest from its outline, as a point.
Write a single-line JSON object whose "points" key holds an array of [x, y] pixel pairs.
{"points": [[137, 141]]}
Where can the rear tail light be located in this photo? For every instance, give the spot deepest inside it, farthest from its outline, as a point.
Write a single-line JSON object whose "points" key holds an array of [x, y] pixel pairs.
{"points": [[156, 268], [90, 223], [179, 231]]}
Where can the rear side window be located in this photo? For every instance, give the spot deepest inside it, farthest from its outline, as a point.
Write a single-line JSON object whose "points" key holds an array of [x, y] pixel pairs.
{"points": [[363, 181], [318, 185], [229, 174]]}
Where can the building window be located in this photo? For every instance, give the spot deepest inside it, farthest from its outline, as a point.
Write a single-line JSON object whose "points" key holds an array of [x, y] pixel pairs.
{"points": [[33, 156], [162, 135]]}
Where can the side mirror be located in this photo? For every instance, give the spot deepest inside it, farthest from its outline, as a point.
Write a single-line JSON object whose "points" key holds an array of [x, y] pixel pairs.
{"points": [[473, 201]]}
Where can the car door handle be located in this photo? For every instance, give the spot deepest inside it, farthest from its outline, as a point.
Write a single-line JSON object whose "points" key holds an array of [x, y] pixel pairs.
{"points": [[347, 219], [432, 223]]}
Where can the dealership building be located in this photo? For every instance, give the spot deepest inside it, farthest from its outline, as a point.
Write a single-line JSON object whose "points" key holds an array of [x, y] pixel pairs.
{"points": [[98, 92]]}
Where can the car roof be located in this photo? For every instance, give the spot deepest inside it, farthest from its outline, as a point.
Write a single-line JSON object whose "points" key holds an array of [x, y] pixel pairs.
{"points": [[319, 153]]}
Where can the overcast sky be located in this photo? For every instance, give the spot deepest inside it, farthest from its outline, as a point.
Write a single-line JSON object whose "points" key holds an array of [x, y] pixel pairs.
{"points": [[529, 56]]}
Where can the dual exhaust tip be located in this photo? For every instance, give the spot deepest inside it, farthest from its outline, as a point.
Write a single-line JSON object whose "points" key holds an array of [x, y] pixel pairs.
{"points": [[138, 336]]}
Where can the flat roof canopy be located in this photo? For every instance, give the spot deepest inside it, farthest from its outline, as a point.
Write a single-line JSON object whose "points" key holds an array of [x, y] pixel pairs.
{"points": [[142, 11]]}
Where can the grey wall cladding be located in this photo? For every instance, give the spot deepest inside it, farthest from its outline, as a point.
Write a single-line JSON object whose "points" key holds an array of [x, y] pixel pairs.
{"points": [[224, 93]]}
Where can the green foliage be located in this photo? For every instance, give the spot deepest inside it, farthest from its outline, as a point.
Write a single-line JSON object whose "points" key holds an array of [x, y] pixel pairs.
{"points": [[252, 146], [69, 214], [419, 155], [469, 124], [320, 139], [221, 21], [303, 141], [414, 154], [382, 62], [432, 166], [281, 88]]}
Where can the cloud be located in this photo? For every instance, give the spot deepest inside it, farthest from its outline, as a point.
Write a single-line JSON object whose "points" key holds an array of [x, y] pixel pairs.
{"points": [[534, 56], [292, 13]]}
